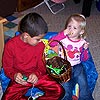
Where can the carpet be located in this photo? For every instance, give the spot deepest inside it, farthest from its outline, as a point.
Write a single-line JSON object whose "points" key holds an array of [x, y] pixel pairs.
{"points": [[11, 26]]}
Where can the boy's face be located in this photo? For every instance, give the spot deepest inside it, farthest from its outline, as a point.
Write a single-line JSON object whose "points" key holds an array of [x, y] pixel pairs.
{"points": [[34, 40]]}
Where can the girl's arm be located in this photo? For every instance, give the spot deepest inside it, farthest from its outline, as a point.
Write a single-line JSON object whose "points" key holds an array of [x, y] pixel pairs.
{"points": [[59, 37], [84, 51], [84, 54]]}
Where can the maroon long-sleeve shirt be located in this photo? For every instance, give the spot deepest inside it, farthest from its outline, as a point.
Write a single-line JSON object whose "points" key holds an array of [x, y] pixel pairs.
{"points": [[21, 57]]}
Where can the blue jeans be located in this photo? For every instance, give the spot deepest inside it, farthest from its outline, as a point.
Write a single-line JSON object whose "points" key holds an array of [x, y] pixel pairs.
{"points": [[78, 76]]}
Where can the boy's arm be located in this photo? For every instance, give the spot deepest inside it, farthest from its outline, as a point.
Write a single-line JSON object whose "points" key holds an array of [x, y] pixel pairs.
{"points": [[7, 61], [41, 63], [58, 37]]}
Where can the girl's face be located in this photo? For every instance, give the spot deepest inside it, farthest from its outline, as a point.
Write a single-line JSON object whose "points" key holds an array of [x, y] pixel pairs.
{"points": [[33, 40], [74, 30]]}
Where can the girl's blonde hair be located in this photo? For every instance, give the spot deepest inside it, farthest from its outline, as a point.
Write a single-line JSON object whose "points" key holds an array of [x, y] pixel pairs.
{"points": [[79, 18]]}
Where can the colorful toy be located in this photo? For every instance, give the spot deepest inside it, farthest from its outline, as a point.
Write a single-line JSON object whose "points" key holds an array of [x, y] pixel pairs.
{"points": [[25, 78], [76, 90], [48, 51], [56, 70], [35, 93], [47, 47]]}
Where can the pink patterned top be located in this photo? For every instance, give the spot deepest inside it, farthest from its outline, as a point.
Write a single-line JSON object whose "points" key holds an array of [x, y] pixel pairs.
{"points": [[74, 49]]}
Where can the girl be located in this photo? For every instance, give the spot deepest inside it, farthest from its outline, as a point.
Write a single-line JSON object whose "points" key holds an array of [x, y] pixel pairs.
{"points": [[75, 45]]}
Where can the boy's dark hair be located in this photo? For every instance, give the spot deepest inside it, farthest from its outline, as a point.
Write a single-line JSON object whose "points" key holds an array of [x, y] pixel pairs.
{"points": [[33, 24]]}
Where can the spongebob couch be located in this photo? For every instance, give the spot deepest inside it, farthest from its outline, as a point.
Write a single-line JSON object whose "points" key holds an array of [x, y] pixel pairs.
{"points": [[88, 65]]}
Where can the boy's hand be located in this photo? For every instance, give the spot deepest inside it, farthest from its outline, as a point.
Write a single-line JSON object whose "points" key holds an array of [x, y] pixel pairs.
{"points": [[19, 79], [32, 79]]}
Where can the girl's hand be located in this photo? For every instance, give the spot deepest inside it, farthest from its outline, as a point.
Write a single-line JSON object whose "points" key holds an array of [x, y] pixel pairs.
{"points": [[19, 79], [32, 78], [86, 45], [67, 32]]}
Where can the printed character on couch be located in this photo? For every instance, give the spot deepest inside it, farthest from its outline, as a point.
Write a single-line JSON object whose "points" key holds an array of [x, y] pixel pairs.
{"points": [[88, 65]]}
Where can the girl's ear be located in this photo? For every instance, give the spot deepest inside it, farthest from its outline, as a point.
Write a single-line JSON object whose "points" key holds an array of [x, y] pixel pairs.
{"points": [[82, 32]]}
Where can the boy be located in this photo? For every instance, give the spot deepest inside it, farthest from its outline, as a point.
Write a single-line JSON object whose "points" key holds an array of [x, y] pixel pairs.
{"points": [[23, 56]]}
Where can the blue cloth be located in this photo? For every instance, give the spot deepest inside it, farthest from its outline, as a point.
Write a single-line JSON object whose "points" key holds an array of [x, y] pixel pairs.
{"points": [[50, 35], [91, 72], [98, 5], [4, 80], [34, 92]]}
